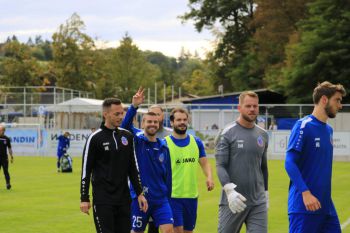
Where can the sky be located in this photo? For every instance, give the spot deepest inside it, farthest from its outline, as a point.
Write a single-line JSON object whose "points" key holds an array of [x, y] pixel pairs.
{"points": [[153, 24]]}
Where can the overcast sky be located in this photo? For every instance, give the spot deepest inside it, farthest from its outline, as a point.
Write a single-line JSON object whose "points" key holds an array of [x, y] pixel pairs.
{"points": [[153, 24]]}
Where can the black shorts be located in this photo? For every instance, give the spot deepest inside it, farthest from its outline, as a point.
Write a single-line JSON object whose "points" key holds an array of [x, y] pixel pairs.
{"points": [[112, 218]]}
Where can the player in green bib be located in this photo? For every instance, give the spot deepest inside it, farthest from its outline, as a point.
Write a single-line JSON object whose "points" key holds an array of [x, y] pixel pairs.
{"points": [[186, 153]]}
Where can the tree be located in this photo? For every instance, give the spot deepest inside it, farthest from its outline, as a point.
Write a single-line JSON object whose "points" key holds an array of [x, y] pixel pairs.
{"points": [[234, 17], [323, 51], [73, 57], [130, 69], [18, 68], [199, 84], [167, 66], [275, 23]]}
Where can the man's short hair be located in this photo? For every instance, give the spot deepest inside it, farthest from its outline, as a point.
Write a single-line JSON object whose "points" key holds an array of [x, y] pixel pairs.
{"points": [[247, 93], [150, 114], [327, 89], [155, 106], [175, 110], [107, 103]]}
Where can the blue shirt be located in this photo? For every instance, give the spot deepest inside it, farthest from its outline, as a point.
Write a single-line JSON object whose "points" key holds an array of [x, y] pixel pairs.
{"points": [[153, 161], [309, 164], [63, 144]]}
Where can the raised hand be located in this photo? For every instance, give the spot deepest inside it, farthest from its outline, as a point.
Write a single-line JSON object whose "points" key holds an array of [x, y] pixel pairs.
{"points": [[138, 98]]}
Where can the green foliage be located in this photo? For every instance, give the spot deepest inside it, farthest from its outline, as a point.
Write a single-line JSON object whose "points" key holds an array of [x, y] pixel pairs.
{"points": [[234, 18], [199, 83], [72, 60], [130, 69], [167, 65], [18, 68], [323, 51], [73, 57]]}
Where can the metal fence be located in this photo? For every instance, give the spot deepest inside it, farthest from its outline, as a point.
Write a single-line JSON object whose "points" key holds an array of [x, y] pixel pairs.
{"points": [[207, 119]]}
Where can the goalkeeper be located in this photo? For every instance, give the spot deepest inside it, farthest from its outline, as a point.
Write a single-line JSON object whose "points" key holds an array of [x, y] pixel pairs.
{"points": [[242, 170]]}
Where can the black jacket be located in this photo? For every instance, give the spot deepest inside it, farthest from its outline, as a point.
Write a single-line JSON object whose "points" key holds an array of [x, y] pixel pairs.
{"points": [[109, 160]]}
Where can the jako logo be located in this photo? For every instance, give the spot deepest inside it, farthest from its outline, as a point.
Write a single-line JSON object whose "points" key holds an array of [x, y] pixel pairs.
{"points": [[186, 160]]}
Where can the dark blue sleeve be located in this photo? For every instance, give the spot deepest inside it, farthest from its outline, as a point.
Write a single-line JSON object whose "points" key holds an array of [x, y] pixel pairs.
{"points": [[200, 147], [168, 173], [291, 166], [68, 143], [128, 119]]}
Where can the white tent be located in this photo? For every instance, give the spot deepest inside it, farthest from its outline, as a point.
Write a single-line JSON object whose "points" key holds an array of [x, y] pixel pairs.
{"points": [[77, 113], [77, 105]]}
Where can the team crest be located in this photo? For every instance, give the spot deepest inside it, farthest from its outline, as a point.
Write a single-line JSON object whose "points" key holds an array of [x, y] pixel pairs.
{"points": [[161, 157], [260, 141], [125, 141]]}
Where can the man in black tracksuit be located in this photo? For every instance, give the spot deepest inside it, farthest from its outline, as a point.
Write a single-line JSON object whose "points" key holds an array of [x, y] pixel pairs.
{"points": [[109, 160], [5, 144]]}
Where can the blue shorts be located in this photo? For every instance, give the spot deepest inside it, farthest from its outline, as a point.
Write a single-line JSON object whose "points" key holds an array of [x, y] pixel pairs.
{"points": [[185, 212], [160, 213], [60, 154], [313, 223]]}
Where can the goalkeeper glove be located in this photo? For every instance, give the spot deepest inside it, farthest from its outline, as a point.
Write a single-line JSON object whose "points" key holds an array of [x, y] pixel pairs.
{"points": [[235, 199]]}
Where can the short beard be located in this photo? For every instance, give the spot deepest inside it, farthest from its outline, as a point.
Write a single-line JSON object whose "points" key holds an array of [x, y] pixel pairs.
{"points": [[151, 134], [329, 112], [248, 119], [179, 131]]}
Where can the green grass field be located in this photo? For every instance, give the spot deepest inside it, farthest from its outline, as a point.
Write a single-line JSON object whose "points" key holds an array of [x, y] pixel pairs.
{"points": [[44, 201]]}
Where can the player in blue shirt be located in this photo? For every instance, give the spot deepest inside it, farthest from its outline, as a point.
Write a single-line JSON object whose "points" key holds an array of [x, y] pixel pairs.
{"points": [[62, 147], [309, 165], [155, 170]]}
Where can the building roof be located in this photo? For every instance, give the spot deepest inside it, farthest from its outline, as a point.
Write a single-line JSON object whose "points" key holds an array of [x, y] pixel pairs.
{"points": [[266, 96]]}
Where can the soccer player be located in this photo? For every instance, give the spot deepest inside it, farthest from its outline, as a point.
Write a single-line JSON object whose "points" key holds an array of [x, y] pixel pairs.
{"points": [[62, 147], [5, 145], [161, 133], [186, 152], [108, 161], [308, 163], [155, 170], [241, 164]]}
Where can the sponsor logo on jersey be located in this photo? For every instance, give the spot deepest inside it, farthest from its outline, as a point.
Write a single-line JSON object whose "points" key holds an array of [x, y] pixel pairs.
{"points": [[317, 142], [240, 143], [260, 141], [125, 141], [145, 189], [185, 160]]}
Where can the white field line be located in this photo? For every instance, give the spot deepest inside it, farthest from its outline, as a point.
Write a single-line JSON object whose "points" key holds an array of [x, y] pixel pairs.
{"points": [[345, 224]]}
